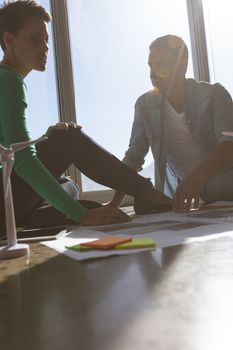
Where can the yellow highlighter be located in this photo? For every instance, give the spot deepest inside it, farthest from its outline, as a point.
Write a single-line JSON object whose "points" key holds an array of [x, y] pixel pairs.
{"points": [[137, 243]]}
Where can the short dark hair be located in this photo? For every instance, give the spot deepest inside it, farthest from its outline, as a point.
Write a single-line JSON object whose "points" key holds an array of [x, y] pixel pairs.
{"points": [[13, 15], [173, 43]]}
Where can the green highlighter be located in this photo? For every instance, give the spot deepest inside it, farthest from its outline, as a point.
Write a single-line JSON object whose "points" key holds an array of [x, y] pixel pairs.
{"points": [[79, 248], [137, 243]]}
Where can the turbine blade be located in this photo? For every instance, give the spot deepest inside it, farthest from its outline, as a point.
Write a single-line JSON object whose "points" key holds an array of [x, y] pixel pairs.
{"points": [[21, 145], [227, 133], [7, 173], [2, 149]]}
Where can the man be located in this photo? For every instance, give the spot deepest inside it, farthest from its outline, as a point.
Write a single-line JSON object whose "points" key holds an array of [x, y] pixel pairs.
{"points": [[182, 121]]}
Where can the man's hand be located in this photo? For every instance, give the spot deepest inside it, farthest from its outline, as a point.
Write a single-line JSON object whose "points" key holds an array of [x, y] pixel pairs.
{"points": [[187, 191], [104, 215], [190, 188], [62, 126]]}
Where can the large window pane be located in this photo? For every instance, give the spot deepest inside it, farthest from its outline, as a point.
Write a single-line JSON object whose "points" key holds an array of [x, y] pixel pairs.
{"points": [[42, 97], [219, 29], [109, 41]]}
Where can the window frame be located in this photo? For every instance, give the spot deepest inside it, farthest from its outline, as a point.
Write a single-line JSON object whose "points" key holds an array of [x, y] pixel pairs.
{"points": [[65, 83], [198, 40]]}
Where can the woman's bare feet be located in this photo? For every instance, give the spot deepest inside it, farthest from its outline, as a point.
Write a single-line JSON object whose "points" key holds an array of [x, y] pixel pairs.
{"points": [[155, 196], [104, 216], [154, 202]]}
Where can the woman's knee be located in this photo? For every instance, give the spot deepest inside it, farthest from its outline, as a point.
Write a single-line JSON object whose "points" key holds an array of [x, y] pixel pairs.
{"points": [[58, 141]]}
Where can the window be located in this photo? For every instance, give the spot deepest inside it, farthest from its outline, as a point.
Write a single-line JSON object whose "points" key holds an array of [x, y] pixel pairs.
{"points": [[109, 44], [219, 30]]}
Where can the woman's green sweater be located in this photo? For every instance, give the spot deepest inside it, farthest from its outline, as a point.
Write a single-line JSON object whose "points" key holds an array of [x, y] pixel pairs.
{"points": [[13, 128]]}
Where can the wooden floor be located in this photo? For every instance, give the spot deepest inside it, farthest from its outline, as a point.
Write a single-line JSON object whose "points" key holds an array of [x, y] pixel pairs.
{"points": [[178, 298]]}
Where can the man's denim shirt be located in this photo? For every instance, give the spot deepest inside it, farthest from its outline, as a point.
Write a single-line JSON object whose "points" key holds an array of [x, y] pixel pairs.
{"points": [[208, 110]]}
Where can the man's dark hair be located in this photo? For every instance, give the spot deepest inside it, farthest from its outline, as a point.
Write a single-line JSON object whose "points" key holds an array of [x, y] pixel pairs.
{"points": [[174, 44], [13, 15]]}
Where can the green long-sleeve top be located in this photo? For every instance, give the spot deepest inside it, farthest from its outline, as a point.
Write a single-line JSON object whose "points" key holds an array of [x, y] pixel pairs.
{"points": [[13, 128]]}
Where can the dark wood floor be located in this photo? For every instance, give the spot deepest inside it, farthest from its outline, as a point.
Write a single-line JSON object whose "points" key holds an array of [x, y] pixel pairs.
{"points": [[178, 298]]}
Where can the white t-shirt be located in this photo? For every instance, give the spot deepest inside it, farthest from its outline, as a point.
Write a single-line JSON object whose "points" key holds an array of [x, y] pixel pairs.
{"points": [[183, 152]]}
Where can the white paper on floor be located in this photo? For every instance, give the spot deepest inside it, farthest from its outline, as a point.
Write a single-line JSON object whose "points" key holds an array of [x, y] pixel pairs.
{"points": [[167, 229]]}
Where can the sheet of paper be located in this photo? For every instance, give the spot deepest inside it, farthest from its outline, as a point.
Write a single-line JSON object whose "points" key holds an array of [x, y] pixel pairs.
{"points": [[80, 236], [167, 229]]}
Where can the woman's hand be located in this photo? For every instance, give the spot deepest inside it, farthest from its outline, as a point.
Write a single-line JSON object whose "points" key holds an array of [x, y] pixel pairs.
{"points": [[104, 216], [62, 126]]}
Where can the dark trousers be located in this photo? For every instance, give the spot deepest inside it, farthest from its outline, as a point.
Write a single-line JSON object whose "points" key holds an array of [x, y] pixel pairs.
{"points": [[57, 153]]}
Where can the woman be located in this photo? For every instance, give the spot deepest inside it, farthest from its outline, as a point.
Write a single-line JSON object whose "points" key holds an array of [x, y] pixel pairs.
{"points": [[24, 41]]}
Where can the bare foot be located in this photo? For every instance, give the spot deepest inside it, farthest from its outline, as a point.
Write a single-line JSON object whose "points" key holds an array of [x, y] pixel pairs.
{"points": [[155, 196], [104, 216]]}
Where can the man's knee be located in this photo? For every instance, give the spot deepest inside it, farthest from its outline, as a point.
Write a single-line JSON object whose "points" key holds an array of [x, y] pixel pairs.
{"points": [[219, 188]]}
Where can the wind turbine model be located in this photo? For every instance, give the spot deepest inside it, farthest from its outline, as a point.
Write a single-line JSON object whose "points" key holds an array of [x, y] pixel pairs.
{"points": [[227, 133], [12, 249]]}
